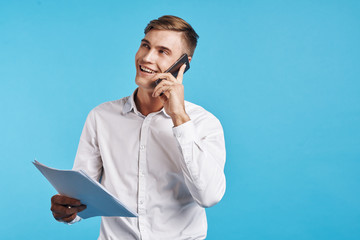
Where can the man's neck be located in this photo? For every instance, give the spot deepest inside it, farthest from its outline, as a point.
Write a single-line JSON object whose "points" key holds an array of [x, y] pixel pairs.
{"points": [[145, 103]]}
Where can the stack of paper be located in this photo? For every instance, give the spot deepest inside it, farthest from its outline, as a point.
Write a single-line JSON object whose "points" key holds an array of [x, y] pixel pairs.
{"points": [[77, 184]]}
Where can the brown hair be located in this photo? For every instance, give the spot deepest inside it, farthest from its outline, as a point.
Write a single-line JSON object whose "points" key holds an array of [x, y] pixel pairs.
{"points": [[174, 23]]}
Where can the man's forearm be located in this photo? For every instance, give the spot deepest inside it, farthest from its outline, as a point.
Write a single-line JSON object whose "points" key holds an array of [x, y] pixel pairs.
{"points": [[203, 162], [179, 119]]}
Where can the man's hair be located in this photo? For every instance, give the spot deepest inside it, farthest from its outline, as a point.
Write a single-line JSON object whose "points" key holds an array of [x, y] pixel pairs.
{"points": [[177, 24]]}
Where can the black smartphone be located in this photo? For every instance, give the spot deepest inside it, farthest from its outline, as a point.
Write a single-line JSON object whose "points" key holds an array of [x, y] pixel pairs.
{"points": [[174, 69]]}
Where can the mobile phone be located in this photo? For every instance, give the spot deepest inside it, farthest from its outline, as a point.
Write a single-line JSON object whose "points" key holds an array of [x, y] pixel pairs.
{"points": [[174, 69]]}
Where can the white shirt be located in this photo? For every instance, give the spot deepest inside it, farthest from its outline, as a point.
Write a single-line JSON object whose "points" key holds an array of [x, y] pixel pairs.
{"points": [[167, 174]]}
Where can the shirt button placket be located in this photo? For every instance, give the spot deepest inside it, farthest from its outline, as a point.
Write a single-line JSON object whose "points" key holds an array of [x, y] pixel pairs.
{"points": [[142, 179]]}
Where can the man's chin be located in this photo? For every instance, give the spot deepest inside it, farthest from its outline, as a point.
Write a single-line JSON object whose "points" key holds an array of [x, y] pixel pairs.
{"points": [[145, 84]]}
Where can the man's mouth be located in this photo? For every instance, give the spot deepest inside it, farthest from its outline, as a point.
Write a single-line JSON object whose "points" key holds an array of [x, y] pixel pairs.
{"points": [[147, 70]]}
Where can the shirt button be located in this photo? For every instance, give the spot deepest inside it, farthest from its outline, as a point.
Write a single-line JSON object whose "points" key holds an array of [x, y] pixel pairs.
{"points": [[141, 202], [142, 147], [141, 173]]}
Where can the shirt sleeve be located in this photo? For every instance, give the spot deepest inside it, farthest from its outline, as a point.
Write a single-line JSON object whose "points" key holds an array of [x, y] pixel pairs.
{"points": [[203, 159], [88, 157]]}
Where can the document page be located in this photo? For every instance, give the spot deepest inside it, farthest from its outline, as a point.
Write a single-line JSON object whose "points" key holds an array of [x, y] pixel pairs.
{"points": [[77, 184]]}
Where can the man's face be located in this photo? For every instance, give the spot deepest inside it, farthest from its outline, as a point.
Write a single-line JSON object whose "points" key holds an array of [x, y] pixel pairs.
{"points": [[158, 51]]}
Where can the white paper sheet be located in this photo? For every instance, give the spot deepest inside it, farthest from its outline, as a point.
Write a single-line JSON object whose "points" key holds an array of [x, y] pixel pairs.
{"points": [[77, 184]]}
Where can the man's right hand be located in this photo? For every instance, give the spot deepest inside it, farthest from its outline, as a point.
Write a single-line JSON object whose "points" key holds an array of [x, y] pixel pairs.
{"points": [[65, 209]]}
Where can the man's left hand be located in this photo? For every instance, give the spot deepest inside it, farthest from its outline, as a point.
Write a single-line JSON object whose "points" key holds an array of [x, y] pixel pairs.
{"points": [[171, 92]]}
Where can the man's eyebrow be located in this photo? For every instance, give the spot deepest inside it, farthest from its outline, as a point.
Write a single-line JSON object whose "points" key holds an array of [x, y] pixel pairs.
{"points": [[159, 47], [164, 48], [144, 40]]}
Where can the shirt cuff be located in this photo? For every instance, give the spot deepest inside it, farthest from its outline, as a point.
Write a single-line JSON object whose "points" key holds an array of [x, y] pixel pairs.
{"points": [[185, 132], [76, 219]]}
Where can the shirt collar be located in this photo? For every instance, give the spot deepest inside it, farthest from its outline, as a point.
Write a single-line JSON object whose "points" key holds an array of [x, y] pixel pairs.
{"points": [[130, 105]]}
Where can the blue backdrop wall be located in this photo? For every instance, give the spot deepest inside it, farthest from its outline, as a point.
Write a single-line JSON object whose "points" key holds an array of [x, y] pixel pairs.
{"points": [[282, 77]]}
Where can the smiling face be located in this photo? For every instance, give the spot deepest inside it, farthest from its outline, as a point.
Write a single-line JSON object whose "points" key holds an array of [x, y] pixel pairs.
{"points": [[158, 51]]}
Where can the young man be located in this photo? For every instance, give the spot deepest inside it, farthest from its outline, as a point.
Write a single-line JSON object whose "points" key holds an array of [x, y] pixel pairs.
{"points": [[160, 155]]}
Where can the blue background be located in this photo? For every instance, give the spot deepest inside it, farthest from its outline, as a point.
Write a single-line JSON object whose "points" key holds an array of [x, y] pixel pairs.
{"points": [[282, 76]]}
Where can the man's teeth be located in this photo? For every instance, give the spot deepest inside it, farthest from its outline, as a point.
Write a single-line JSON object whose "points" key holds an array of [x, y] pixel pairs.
{"points": [[146, 69]]}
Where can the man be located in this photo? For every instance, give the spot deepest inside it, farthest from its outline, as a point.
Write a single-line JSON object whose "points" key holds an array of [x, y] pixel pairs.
{"points": [[160, 155]]}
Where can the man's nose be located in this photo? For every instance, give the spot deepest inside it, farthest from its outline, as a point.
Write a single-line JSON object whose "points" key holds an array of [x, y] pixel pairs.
{"points": [[150, 56]]}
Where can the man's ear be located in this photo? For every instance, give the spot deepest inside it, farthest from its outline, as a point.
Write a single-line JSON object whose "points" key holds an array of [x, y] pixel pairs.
{"points": [[189, 59]]}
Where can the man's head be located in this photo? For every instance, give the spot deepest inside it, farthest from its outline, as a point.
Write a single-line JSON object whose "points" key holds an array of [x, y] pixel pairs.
{"points": [[176, 24], [166, 39]]}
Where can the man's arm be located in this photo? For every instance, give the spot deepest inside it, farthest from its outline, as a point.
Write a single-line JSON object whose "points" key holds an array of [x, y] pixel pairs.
{"points": [[88, 159], [200, 141], [203, 159]]}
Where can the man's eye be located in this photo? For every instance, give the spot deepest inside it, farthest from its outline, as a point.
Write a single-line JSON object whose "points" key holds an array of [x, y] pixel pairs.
{"points": [[145, 45], [163, 52]]}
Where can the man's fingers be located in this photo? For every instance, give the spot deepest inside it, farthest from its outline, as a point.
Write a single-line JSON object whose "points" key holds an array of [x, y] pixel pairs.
{"points": [[63, 210], [164, 76], [64, 200], [57, 216], [81, 208], [61, 218], [164, 97], [164, 85], [70, 218], [161, 90], [181, 73], [64, 213]]}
